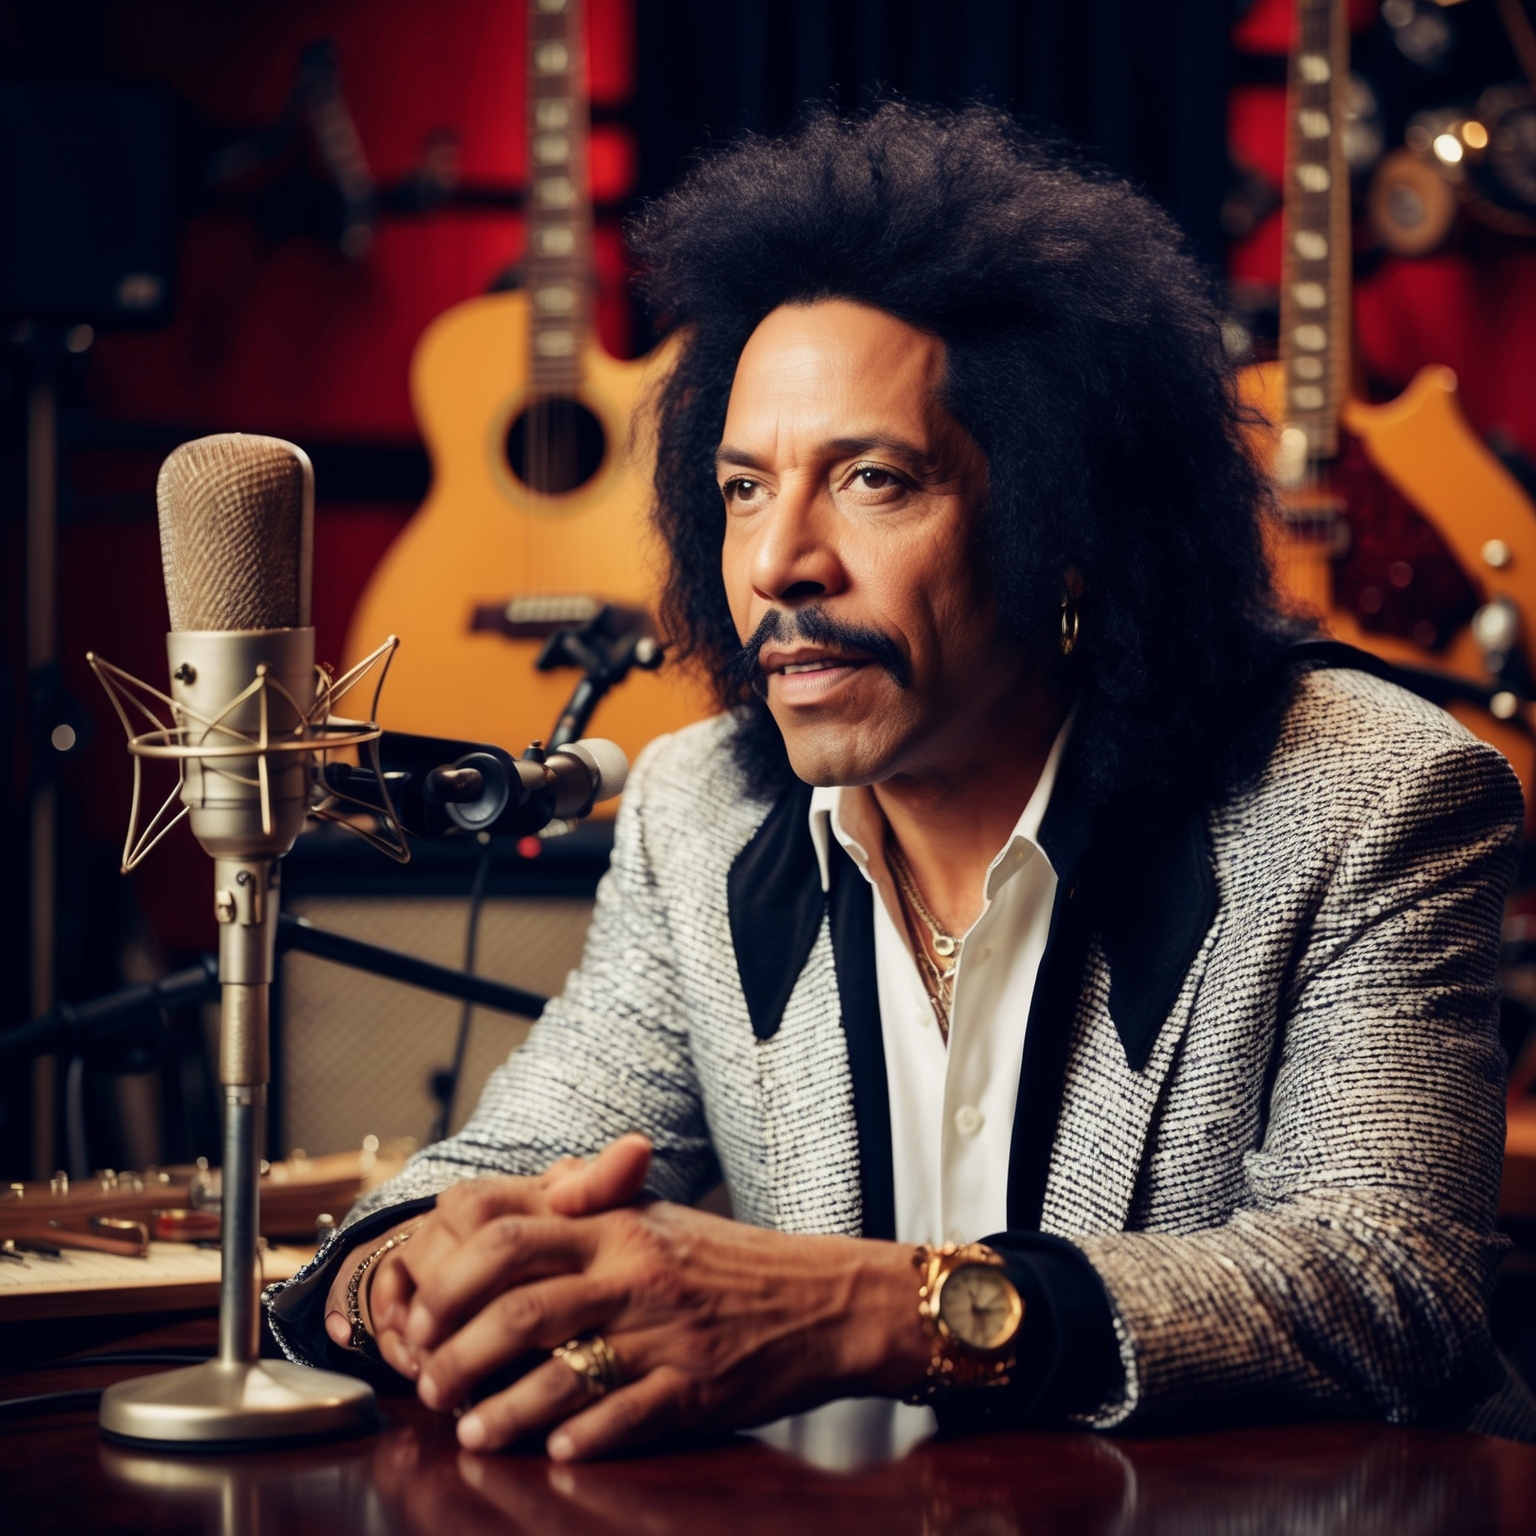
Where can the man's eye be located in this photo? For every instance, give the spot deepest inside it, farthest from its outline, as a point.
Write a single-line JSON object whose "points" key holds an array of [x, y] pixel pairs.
{"points": [[740, 489], [872, 478]]}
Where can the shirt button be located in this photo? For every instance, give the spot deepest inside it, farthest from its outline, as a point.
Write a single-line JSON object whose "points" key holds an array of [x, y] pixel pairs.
{"points": [[969, 1119]]}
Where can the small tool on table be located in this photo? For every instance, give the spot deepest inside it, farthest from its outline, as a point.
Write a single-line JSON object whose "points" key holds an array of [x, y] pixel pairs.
{"points": [[130, 1239]]}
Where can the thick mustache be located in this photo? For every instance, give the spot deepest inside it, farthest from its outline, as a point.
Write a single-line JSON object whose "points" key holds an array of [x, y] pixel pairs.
{"points": [[818, 627]]}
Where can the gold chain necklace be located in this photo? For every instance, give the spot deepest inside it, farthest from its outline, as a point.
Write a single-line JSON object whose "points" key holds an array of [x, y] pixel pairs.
{"points": [[938, 981]]}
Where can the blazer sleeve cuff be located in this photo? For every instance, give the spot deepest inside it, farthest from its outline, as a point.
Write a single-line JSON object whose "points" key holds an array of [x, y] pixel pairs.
{"points": [[1069, 1363], [295, 1308]]}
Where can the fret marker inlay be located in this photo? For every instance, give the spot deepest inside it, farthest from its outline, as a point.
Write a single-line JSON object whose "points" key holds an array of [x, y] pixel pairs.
{"points": [[554, 191], [554, 240]]}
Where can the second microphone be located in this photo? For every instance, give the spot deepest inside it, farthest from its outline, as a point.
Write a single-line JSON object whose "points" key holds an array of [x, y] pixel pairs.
{"points": [[438, 787]]}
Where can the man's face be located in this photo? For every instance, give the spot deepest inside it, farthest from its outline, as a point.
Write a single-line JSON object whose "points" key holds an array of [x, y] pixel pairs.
{"points": [[853, 502]]}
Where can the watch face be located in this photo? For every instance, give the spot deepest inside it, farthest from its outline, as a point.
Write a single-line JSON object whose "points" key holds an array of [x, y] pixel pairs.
{"points": [[979, 1306]]}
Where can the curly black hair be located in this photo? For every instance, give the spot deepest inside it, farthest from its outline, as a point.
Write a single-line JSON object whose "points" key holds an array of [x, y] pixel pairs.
{"points": [[1084, 357]]}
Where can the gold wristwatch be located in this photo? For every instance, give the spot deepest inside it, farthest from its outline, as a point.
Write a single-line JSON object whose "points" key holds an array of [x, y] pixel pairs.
{"points": [[972, 1311]]}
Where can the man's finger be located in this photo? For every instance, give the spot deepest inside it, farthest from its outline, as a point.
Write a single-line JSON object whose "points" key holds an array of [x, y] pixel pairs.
{"points": [[464, 1208], [508, 1251], [628, 1417], [399, 1354], [530, 1317], [388, 1298], [613, 1178], [338, 1323], [546, 1395]]}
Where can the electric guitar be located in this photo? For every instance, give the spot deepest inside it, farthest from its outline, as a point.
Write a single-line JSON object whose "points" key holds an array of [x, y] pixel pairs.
{"points": [[1400, 528], [538, 513]]}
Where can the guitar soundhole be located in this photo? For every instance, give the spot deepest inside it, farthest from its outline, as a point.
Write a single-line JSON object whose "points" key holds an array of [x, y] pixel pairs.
{"points": [[555, 446]]}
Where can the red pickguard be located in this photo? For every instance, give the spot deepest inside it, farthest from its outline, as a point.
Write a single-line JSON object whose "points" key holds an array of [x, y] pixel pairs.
{"points": [[1398, 576]]}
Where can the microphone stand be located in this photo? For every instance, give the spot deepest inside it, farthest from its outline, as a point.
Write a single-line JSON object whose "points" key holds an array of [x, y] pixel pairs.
{"points": [[243, 742]]}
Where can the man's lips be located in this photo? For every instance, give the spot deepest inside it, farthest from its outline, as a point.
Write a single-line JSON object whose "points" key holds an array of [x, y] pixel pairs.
{"points": [[805, 678], [794, 663]]}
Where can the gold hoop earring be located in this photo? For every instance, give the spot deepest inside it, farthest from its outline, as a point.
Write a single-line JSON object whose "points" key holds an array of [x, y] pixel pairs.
{"points": [[1070, 623]]}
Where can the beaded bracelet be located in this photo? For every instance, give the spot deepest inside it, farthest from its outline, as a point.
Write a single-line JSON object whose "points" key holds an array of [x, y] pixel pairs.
{"points": [[362, 1340]]}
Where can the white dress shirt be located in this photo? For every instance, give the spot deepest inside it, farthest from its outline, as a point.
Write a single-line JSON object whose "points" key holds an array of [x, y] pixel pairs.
{"points": [[952, 1107]]}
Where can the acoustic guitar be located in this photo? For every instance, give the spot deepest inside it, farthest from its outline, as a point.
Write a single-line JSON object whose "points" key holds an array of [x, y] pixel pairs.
{"points": [[538, 513], [1400, 528]]}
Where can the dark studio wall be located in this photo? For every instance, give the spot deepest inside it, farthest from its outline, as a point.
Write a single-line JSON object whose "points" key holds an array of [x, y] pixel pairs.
{"points": [[277, 321]]}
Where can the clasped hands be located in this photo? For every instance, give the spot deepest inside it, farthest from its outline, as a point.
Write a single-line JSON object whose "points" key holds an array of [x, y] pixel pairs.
{"points": [[711, 1322]]}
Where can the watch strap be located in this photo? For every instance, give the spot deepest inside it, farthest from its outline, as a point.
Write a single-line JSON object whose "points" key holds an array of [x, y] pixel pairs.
{"points": [[954, 1364]]}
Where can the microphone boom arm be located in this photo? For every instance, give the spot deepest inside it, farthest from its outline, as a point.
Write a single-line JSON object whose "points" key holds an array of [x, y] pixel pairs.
{"points": [[77, 1029]]}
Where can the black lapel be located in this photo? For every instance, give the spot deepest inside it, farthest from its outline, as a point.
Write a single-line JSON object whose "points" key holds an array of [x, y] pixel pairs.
{"points": [[853, 949], [776, 904], [1154, 900], [1146, 885], [1065, 833]]}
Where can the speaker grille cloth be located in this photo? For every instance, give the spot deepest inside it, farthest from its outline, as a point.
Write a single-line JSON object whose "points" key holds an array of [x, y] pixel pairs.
{"points": [[234, 511], [358, 1052]]}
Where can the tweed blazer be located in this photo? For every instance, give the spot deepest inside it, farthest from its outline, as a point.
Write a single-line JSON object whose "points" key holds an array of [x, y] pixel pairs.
{"points": [[1275, 1128]]}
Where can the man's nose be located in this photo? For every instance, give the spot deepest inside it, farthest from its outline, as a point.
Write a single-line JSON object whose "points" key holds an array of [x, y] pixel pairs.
{"points": [[797, 559]]}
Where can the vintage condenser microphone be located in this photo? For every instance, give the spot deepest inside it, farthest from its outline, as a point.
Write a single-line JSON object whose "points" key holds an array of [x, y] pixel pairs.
{"points": [[236, 516], [250, 722]]}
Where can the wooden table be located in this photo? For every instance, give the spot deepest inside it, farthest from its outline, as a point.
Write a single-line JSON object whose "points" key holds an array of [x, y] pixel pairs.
{"points": [[58, 1474]]}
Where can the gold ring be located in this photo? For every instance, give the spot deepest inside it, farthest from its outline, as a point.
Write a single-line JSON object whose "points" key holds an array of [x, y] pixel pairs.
{"points": [[594, 1361]]}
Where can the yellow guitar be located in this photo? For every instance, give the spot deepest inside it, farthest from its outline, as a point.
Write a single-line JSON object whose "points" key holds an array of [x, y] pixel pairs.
{"points": [[538, 512]]}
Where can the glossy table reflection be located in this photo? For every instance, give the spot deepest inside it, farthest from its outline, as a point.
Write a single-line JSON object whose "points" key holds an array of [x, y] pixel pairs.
{"points": [[58, 1474]]}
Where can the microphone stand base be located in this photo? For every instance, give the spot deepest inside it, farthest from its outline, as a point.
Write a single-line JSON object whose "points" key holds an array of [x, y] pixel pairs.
{"points": [[221, 1403]]}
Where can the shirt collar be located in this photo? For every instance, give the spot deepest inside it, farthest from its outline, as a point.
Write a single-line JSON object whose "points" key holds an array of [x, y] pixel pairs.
{"points": [[851, 815]]}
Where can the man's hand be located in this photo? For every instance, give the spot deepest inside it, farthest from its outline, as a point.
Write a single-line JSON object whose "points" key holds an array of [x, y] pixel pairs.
{"points": [[574, 1186], [712, 1322]]}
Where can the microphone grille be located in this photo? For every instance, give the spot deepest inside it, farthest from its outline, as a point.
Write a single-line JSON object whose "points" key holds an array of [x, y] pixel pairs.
{"points": [[606, 761], [236, 513]]}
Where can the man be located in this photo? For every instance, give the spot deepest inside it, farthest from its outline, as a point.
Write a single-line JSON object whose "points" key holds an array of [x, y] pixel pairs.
{"points": [[1028, 897]]}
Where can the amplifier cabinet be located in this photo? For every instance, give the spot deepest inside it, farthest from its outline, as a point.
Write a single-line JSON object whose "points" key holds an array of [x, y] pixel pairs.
{"points": [[355, 1054]]}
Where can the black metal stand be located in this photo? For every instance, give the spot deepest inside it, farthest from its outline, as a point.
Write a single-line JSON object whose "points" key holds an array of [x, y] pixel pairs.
{"points": [[101, 1024], [297, 933]]}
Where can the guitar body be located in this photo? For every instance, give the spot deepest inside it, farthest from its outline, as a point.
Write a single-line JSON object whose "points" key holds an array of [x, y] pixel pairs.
{"points": [[482, 537], [1422, 498]]}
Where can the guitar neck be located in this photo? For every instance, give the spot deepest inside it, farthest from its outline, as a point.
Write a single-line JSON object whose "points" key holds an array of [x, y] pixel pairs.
{"points": [[1315, 266], [559, 262]]}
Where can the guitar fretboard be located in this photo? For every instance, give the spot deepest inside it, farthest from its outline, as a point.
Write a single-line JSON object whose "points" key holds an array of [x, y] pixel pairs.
{"points": [[1314, 284], [559, 262]]}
